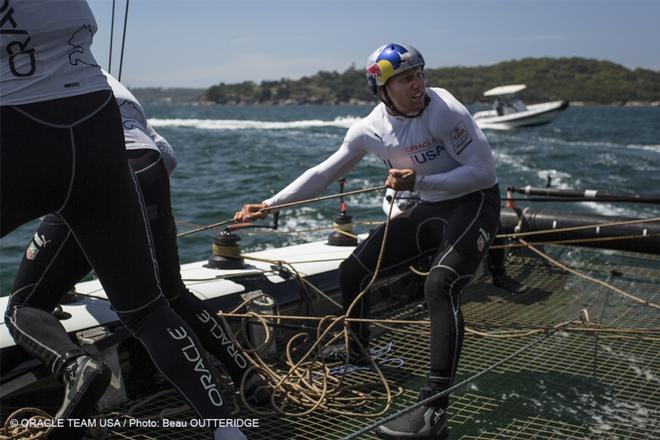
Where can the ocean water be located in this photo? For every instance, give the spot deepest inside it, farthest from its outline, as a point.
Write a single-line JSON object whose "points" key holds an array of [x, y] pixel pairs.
{"points": [[231, 155]]}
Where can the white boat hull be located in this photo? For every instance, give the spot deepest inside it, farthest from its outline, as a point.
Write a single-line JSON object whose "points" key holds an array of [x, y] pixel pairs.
{"points": [[93, 308], [536, 114]]}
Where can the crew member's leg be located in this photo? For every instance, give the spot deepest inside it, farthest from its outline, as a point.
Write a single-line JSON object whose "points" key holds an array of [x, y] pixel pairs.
{"points": [[154, 181], [51, 265], [412, 235], [497, 269], [123, 259], [472, 223], [38, 162]]}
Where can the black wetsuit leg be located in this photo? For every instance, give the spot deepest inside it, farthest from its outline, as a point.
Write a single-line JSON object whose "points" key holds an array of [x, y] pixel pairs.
{"points": [[471, 228], [51, 265], [155, 184], [54, 262], [67, 156], [457, 233]]}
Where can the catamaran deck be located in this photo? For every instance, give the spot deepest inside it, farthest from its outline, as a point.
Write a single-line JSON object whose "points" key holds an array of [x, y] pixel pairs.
{"points": [[574, 383]]}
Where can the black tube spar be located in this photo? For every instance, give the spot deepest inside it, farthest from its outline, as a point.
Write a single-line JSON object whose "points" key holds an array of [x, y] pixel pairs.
{"points": [[594, 231], [587, 194]]}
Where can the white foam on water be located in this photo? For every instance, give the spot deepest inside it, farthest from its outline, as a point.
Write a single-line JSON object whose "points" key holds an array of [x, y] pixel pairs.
{"points": [[559, 178], [556, 141], [513, 161], [609, 209], [652, 148], [559, 181], [242, 124]]}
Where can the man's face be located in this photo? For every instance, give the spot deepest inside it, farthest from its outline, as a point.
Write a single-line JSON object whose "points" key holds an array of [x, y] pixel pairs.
{"points": [[408, 90]]}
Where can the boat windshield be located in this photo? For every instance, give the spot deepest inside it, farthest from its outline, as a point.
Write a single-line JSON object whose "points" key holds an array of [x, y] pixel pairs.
{"points": [[505, 105]]}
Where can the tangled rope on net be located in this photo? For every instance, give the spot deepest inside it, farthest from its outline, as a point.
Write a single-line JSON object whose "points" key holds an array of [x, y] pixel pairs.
{"points": [[562, 266], [307, 383], [34, 429]]}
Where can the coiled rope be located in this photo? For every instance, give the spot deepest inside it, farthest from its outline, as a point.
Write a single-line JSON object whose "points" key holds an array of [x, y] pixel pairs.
{"points": [[32, 430]]}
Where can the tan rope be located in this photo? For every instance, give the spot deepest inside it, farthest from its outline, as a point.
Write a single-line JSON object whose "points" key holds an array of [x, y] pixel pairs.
{"points": [[307, 382], [578, 228], [587, 277], [287, 205], [204, 228], [332, 196], [589, 327], [10, 432], [573, 241], [346, 233]]}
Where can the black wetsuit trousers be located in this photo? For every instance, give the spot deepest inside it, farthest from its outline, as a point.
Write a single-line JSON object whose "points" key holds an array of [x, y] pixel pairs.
{"points": [[67, 157], [457, 234], [53, 263]]}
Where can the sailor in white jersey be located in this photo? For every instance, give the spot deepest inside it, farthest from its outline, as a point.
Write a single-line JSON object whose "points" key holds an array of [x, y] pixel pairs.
{"points": [[62, 151], [430, 144]]}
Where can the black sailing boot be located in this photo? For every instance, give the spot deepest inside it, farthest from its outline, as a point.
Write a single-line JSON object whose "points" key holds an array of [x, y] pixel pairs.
{"points": [[428, 422], [256, 389], [497, 267], [85, 381], [511, 284], [357, 352]]}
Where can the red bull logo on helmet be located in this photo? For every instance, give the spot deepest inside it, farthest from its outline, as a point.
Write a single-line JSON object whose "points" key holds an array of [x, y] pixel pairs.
{"points": [[387, 70], [374, 70]]}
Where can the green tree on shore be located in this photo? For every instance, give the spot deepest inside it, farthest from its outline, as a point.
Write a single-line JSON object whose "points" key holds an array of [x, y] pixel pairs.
{"points": [[574, 79]]}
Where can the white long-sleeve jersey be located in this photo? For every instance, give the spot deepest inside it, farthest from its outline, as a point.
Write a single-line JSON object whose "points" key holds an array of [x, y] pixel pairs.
{"points": [[45, 51], [445, 147], [138, 133]]}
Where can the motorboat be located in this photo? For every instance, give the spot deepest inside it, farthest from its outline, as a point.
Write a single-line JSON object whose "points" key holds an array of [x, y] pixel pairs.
{"points": [[510, 112]]}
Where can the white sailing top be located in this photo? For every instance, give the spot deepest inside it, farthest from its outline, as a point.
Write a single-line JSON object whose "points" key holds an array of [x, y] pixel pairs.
{"points": [[138, 133], [45, 51], [445, 147]]}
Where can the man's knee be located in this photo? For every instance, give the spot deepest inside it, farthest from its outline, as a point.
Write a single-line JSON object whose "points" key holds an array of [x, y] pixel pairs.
{"points": [[136, 321], [351, 271], [442, 284]]}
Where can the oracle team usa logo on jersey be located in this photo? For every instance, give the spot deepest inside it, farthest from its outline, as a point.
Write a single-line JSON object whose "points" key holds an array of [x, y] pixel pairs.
{"points": [[460, 137], [424, 151]]}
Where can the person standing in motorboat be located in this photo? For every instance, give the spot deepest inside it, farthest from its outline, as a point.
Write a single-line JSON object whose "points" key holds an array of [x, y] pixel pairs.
{"points": [[53, 263], [431, 144], [62, 151], [499, 106]]}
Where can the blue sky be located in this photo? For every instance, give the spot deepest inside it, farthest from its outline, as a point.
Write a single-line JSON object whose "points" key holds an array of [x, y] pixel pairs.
{"points": [[198, 43]]}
